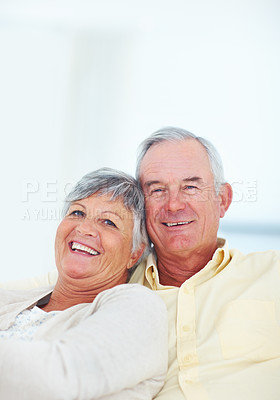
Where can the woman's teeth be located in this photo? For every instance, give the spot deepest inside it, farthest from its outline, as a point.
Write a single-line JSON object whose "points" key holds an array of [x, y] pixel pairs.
{"points": [[85, 249]]}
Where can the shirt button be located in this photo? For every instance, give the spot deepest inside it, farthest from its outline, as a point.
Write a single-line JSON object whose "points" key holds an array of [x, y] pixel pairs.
{"points": [[186, 328], [186, 291], [187, 359]]}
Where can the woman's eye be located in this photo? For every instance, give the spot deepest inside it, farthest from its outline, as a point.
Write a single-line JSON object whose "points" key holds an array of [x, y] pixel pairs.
{"points": [[109, 222], [77, 213]]}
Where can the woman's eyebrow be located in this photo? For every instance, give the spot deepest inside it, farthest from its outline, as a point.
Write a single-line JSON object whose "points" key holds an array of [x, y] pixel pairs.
{"points": [[112, 212], [76, 203]]}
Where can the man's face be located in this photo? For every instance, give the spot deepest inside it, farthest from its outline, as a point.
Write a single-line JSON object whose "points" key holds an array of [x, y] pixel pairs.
{"points": [[182, 207]]}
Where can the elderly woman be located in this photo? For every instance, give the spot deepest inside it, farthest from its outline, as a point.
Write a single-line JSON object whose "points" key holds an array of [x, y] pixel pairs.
{"points": [[84, 337]]}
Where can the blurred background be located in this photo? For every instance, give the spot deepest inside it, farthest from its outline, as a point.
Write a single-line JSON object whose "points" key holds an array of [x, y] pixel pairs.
{"points": [[83, 82]]}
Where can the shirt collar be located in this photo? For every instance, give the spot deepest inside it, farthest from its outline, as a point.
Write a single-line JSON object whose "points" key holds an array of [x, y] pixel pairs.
{"points": [[220, 259]]}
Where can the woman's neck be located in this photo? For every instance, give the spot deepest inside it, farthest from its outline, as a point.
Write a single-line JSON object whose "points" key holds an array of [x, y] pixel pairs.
{"points": [[70, 292]]}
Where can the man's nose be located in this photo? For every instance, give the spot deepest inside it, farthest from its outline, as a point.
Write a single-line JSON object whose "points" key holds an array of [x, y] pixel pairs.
{"points": [[87, 227], [175, 201]]}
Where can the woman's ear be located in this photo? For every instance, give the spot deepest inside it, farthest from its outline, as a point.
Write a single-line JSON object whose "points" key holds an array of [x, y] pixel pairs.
{"points": [[135, 256], [225, 198]]}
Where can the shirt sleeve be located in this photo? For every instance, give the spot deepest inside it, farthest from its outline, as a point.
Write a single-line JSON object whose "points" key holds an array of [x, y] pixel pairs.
{"points": [[121, 345]]}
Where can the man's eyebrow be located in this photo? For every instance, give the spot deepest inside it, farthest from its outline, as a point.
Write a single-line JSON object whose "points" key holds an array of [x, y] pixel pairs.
{"points": [[150, 183], [188, 179], [193, 179]]}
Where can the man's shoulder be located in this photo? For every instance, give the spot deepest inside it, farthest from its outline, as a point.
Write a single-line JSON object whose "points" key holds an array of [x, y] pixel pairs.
{"points": [[256, 261], [269, 255]]}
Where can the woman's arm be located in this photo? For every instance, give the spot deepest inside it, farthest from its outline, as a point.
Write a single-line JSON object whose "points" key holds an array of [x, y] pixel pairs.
{"points": [[121, 345]]}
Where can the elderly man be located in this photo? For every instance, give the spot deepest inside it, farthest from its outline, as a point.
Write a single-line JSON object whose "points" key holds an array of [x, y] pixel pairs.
{"points": [[224, 307]]}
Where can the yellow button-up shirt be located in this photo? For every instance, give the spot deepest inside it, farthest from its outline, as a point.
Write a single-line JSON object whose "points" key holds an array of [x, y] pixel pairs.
{"points": [[224, 327]]}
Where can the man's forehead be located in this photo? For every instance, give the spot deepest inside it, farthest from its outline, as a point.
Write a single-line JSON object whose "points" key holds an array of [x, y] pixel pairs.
{"points": [[175, 157], [171, 178], [176, 162], [170, 150]]}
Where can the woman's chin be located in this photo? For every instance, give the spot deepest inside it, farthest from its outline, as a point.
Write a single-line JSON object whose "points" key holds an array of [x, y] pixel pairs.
{"points": [[76, 272]]}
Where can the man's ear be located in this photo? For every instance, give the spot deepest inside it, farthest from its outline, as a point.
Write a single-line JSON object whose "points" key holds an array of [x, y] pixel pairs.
{"points": [[225, 198], [135, 256]]}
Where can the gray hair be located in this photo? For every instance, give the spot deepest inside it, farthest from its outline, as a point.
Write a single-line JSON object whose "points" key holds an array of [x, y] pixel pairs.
{"points": [[119, 185], [173, 134]]}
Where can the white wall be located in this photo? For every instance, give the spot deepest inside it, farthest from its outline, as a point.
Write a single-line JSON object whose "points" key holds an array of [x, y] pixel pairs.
{"points": [[83, 82]]}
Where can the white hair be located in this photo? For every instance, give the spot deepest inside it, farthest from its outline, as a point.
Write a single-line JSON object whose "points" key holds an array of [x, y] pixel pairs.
{"points": [[118, 185], [173, 134]]}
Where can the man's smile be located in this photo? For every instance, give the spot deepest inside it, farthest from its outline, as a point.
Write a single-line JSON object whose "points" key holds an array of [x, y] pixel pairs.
{"points": [[169, 224]]}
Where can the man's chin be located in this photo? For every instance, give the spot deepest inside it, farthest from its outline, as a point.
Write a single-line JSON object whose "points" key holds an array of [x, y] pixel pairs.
{"points": [[176, 246]]}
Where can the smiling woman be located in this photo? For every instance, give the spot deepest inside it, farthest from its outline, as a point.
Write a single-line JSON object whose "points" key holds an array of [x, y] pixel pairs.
{"points": [[94, 244], [88, 236], [101, 237]]}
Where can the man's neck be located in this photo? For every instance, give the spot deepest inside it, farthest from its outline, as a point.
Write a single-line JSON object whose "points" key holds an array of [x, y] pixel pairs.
{"points": [[175, 269]]}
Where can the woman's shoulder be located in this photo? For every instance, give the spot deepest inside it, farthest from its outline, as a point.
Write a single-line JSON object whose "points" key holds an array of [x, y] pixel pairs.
{"points": [[133, 296], [132, 290]]}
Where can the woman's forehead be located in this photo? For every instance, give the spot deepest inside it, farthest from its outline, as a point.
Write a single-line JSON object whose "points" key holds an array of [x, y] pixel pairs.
{"points": [[101, 203]]}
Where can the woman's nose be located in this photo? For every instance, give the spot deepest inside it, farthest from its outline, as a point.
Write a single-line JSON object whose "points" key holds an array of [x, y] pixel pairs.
{"points": [[87, 227]]}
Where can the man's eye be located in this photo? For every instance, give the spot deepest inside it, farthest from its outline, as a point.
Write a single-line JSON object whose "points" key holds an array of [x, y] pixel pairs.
{"points": [[190, 189], [157, 190], [109, 222], [77, 213]]}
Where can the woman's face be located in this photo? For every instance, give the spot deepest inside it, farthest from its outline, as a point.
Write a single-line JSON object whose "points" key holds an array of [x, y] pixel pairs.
{"points": [[94, 241]]}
